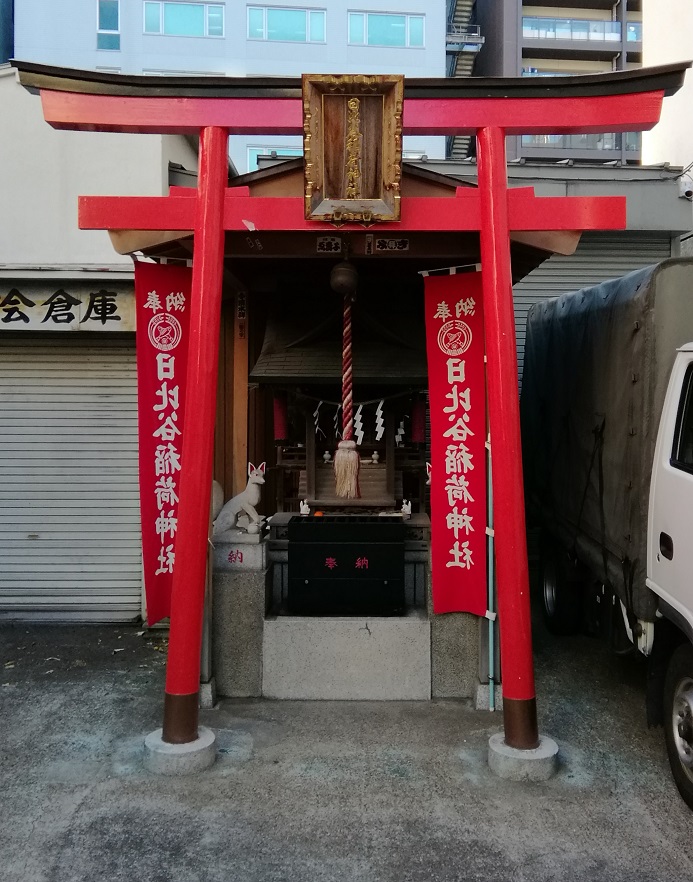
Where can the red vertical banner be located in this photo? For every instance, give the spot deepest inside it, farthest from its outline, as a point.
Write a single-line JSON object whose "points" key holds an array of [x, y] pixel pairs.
{"points": [[457, 399], [162, 295]]}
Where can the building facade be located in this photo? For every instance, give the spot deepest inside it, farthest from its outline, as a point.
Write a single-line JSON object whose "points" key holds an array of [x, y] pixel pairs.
{"points": [[70, 538], [6, 30], [669, 39], [558, 38], [279, 38]]}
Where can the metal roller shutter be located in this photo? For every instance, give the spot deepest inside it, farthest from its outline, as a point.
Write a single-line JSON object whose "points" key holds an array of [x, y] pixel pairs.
{"points": [[599, 256], [69, 498]]}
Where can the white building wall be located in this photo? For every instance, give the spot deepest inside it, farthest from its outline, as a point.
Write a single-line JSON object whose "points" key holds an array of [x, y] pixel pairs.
{"points": [[44, 171], [64, 34], [669, 38]]}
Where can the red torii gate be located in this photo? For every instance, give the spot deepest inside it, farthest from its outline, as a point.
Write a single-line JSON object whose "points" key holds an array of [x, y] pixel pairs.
{"points": [[490, 109]]}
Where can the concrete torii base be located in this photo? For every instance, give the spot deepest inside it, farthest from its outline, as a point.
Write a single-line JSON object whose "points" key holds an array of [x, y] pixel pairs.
{"points": [[180, 759], [522, 765]]}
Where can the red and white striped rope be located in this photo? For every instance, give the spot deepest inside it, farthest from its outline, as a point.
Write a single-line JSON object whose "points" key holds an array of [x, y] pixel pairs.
{"points": [[347, 379]]}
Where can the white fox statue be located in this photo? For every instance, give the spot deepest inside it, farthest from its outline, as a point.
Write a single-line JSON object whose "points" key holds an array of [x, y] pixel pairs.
{"points": [[245, 501]]}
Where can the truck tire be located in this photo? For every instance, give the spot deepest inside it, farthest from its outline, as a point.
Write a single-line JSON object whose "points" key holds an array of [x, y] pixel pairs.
{"points": [[561, 594], [678, 719]]}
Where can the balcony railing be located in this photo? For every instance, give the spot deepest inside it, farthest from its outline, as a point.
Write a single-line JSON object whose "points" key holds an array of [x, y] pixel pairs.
{"points": [[631, 142], [533, 72], [571, 29], [463, 38]]}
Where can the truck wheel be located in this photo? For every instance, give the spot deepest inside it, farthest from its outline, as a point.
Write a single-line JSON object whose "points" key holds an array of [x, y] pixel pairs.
{"points": [[678, 719], [561, 596]]}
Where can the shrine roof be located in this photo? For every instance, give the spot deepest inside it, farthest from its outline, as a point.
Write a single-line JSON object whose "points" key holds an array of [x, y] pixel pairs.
{"points": [[303, 337], [667, 78], [428, 250], [285, 166]]}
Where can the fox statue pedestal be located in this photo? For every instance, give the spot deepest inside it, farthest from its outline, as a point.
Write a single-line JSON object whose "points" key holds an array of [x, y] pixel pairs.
{"points": [[238, 551], [242, 594]]}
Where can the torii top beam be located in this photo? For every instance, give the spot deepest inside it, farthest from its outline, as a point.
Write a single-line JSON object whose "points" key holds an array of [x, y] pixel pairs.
{"points": [[95, 101]]}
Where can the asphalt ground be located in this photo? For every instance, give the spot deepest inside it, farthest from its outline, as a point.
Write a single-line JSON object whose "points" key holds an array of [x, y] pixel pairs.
{"points": [[317, 791]]}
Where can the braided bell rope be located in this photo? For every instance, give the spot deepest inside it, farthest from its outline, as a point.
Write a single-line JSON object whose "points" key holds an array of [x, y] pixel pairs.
{"points": [[347, 374]]}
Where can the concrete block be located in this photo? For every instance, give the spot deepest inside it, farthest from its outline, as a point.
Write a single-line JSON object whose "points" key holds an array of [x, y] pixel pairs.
{"points": [[360, 658], [454, 655], [454, 651], [240, 603], [208, 694], [522, 765], [179, 759], [483, 695]]}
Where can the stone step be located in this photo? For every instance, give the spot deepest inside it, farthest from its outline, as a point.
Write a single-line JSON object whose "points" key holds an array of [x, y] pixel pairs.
{"points": [[347, 658]]}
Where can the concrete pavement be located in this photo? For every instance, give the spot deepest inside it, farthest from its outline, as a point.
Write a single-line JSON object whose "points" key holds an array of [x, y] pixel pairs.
{"points": [[317, 791]]}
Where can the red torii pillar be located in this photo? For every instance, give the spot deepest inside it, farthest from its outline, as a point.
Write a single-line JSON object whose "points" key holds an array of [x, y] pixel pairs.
{"points": [[494, 210]]}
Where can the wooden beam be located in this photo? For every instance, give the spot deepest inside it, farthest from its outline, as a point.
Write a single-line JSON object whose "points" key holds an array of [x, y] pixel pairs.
{"points": [[533, 116], [284, 116], [239, 402], [422, 213], [172, 116]]}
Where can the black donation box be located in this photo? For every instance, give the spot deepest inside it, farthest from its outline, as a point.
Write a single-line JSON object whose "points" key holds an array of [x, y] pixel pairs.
{"points": [[346, 565]]}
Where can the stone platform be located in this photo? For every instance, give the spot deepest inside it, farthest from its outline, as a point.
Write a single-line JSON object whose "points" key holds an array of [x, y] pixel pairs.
{"points": [[258, 653], [345, 657]]}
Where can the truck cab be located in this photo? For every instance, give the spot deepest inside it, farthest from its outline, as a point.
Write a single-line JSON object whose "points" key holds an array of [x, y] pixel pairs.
{"points": [[670, 569], [670, 515]]}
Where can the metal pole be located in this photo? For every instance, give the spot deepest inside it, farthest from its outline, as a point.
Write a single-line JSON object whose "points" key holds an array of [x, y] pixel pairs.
{"points": [[512, 573], [206, 654], [491, 587], [188, 591]]}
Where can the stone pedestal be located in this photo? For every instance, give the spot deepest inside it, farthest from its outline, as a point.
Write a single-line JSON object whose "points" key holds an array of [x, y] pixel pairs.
{"points": [[179, 759], [454, 655], [454, 651], [241, 600], [523, 765]]}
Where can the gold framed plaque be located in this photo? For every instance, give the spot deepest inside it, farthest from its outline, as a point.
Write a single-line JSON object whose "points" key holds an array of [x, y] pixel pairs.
{"points": [[352, 143]]}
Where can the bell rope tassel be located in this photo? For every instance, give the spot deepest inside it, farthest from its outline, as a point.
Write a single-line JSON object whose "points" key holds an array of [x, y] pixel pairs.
{"points": [[346, 459], [346, 470]]}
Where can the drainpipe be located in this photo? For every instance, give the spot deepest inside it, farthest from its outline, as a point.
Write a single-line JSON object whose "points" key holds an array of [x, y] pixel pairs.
{"points": [[622, 60], [490, 603]]}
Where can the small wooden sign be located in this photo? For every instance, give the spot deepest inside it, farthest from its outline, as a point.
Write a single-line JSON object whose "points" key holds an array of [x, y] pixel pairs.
{"points": [[352, 142]]}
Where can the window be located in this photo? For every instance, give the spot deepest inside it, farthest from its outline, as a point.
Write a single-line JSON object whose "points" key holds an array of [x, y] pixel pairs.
{"points": [[682, 453], [183, 19], [108, 25], [570, 29], [152, 72], [377, 29], [606, 141], [634, 32], [254, 152], [290, 25]]}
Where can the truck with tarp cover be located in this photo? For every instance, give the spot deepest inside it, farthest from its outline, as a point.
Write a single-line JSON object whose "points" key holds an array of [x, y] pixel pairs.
{"points": [[607, 438]]}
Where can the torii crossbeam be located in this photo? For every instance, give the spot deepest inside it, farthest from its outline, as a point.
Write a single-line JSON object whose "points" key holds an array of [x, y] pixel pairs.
{"points": [[489, 109]]}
